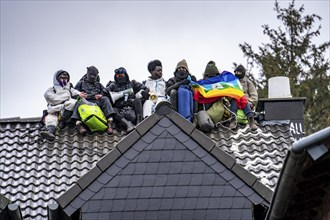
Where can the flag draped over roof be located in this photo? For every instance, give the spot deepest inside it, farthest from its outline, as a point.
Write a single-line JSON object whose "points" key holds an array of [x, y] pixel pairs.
{"points": [[212, 89]]}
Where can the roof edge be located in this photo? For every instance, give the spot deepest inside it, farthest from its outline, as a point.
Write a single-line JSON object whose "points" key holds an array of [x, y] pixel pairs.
{"points": [[19, 119], [292, 166]]}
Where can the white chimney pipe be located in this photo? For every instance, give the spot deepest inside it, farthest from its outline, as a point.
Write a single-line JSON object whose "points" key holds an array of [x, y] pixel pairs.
{"points": [[279, 87]]}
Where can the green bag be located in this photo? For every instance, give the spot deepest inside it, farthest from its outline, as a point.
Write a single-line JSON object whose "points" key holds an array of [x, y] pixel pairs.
{"points": [[241, 117], [216, 111], [93, 117]]}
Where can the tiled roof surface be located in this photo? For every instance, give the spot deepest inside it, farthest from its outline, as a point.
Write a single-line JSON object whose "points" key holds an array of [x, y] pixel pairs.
{"points": [[33, 172], [261, 152], [164, 174]]}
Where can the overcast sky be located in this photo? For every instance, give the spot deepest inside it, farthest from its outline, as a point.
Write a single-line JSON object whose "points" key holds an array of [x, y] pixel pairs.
{"points": [[40, 37]]}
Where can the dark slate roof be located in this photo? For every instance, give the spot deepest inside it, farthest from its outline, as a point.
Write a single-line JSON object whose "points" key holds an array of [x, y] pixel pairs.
{"points": [[303, 189], [167, 171], [34, 172]]}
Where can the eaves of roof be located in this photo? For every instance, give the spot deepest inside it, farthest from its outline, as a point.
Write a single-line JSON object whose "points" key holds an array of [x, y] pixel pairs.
{"points": [[303, 188]]}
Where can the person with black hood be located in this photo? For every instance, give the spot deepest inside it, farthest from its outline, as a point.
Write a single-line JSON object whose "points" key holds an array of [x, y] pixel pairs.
{"points": [[128, 108], [182, 76], [95, 92], [60, 102], [155, 88], [251, 95]]}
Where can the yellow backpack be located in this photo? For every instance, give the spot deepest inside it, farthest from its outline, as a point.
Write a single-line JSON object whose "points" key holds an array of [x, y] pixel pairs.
{"points": [[93, 117]]}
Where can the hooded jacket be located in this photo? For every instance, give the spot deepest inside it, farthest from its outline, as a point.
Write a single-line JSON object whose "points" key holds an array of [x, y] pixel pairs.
{"points": [[59, 94], [91, 89], [114, 86]]}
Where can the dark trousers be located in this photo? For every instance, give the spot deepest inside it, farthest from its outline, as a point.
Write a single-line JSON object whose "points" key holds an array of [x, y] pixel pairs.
{"points": [[122, 112], [103, 103], [247, 109]]}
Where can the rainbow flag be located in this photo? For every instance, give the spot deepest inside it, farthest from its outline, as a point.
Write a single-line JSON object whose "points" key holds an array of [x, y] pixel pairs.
{"points": [[212, 89]]}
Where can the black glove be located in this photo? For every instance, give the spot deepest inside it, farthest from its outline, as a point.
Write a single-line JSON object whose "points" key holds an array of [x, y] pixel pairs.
{"points": [[129, 102], [185, 82], [145, 93]]}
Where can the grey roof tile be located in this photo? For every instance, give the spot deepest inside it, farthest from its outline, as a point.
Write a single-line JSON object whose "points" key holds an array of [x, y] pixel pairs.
{"points": [[149, 137], [203, 140], [140, 215], [104, 178], [262, 190], [180, 121], [157, 192], [127, 142], [227, 160], [122, 162], [71, 193], [120, 215], [70, 209], [140, 145], [142, 204], [86, 195], [87, 179], [245, 176], [113, 170], [133, 192], [161, 180], [108, 159], [95, 186], [147, 124]]}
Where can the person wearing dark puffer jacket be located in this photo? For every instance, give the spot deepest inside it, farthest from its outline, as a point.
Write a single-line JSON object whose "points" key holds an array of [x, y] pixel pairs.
{"points": [[128, 108], [93, 91]]}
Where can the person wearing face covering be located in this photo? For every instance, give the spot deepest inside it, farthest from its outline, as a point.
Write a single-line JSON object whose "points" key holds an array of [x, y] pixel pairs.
{"points": [[128, 108], [93, 91], [60, 103], [250, 93], [155, 88], [182, 76]]}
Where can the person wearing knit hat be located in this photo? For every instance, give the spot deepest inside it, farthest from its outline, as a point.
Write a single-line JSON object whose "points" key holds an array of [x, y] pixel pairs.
{"points": [[182, 76], [239, 71], [155, 88], [96, 93], [210, 70], [251, 94]]}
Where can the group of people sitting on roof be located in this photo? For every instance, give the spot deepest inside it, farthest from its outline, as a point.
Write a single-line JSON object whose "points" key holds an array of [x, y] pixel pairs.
{"points": [[124, 103]]}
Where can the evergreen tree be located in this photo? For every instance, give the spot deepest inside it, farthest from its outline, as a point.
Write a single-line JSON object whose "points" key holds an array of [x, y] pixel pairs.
{"points": [[292, 53]]}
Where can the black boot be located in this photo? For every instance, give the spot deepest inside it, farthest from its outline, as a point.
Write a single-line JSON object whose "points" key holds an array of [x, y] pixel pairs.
{"points": [[81, 128], [49, 134], [64, 118], [252, 124], [129, 125], [139, 118]]}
